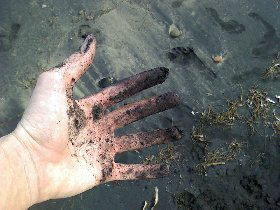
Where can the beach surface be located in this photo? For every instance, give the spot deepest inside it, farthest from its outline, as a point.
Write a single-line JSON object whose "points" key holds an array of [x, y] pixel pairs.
{"points": [[222, 58]]}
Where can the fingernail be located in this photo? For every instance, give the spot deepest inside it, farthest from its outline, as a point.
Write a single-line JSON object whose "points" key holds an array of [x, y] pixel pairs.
{"points": [[163, 73], [176, 133], [164, 170], [164, 70], [87, 42], [171, 98]]}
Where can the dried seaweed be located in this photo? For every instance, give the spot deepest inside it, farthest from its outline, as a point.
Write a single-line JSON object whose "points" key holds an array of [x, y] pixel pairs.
{"points": [[273, 71], [165, 156], [219, 156], [255, 110], [210, 117]]}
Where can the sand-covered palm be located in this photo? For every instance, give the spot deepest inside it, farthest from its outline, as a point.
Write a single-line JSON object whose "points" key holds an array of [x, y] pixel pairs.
{"points": [[72, 142]]}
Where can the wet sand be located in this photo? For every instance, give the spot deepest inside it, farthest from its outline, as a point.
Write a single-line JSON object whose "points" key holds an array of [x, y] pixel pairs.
{"points": [[133, 36]]}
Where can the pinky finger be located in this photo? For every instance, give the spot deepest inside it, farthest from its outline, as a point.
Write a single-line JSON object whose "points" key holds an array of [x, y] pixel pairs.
{"points": [[138, 171]]}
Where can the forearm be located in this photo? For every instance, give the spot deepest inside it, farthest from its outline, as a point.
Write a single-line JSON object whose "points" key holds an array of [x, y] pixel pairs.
{"points": [[18, 181]]}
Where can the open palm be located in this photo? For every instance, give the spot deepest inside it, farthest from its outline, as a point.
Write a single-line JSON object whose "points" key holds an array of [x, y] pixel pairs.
{"points": [[72, 141]]}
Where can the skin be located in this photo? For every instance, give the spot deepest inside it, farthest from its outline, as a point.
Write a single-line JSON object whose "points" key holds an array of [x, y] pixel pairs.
{"points": [[63, 146]]}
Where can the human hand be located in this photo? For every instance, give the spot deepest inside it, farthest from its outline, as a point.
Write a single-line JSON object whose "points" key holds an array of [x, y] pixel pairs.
{"points": [[72, 142]]}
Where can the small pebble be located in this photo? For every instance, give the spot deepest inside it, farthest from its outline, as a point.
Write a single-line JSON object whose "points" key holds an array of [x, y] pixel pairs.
{"points": [[174, 31], [82, 13], [217, 58]]}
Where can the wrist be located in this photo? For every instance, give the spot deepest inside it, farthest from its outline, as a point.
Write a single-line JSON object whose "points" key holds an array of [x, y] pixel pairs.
{"points": [[21, 178]]}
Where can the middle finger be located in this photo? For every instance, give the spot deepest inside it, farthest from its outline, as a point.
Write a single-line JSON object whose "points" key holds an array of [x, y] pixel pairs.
{"points": [[126, 88], [140, 109]]}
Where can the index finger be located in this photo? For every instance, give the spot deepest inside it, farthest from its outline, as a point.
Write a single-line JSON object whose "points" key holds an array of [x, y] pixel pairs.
{"points": [[126, 88]]}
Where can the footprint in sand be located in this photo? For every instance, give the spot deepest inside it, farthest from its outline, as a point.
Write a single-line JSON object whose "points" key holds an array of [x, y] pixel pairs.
{"points": [[230, 26], [187, 57], [176, 4], [7, 37], [270, 43]]}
